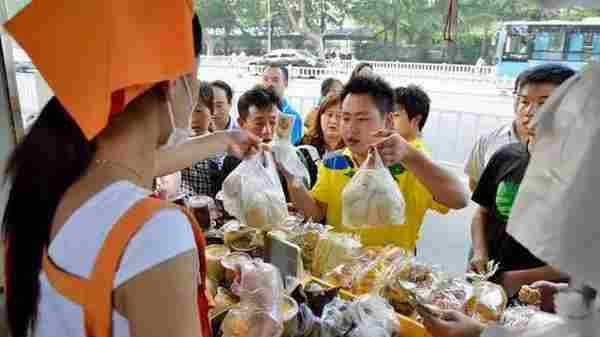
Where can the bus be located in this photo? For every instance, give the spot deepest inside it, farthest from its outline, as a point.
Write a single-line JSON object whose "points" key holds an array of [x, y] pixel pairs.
{"points": [[522, 44]]}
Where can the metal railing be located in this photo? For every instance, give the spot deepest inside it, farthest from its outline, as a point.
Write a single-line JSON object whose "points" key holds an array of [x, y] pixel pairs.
{"points": [[344, 67]]}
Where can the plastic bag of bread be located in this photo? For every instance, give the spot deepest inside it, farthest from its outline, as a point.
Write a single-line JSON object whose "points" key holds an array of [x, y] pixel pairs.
{"points": [[368, 316], [404, 276], [451, 294], [261, 287], [244, 322], [370, 277], [334, 249], [253, 194], [223, 300], [489, 300], [372, 197], [306, 236], [285, 152], [347, 275]]}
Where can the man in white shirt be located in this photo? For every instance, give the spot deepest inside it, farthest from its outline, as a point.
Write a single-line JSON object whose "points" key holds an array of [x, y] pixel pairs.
{"points": [[223, 97], [488, 144]]}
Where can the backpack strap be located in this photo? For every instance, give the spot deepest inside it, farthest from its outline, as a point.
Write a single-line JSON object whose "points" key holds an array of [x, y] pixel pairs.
{"points": [[95, 294]]}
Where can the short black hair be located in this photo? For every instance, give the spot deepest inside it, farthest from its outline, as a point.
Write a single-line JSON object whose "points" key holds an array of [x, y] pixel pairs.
{"points": [[415, 101], [206, 95], [258, 96], [359, 67], [327, 84], [225, 87], [545, 73], [376, 87], [197, 31], [284, 70]]}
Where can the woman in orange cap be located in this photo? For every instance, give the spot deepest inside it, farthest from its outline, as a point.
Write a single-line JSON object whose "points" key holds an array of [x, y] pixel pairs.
{"points": [[89, 253]]}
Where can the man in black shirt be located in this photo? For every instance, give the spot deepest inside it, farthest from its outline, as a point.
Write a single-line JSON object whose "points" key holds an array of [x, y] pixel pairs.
{"points": [[498, 187]]}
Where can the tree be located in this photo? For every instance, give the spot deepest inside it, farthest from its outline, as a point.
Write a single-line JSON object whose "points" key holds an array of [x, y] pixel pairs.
{"points": [[310, 18], [228, 16], [412, 21]]}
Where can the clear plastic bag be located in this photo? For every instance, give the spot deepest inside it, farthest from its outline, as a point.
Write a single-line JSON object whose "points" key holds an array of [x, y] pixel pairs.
{"points": [[487, 303], [368, 278], [260, 312], [451, 294], [368, 316], [261, 288], [334, 249], [489, 300], [170, 187], [336, 320], [242, 322], [372, 197], [253, 194], [285, 152], [406, 277], [528, 317]]}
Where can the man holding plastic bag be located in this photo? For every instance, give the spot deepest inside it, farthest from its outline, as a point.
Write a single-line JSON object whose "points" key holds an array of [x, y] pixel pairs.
{"points": [[419, 184], [555, 212]]}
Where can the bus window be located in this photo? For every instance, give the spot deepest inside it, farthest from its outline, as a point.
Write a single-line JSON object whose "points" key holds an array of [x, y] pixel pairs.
{"points": [[596, 47], [516, 47], [548, 46], [575, 46]]}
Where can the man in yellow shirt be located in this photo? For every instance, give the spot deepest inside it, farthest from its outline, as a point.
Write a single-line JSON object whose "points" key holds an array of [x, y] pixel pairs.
{"points": [[366, 122]]}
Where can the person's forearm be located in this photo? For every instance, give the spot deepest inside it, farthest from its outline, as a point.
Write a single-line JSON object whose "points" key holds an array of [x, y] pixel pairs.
{"points": [[444, 186], [302, 200], [472, 184], [185, 155], [546, 273], [480, 219]]}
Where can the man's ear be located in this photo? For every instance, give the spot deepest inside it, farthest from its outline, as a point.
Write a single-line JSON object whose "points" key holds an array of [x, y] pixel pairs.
{"points": [[414, 123], [388, 121], [241, 122]]}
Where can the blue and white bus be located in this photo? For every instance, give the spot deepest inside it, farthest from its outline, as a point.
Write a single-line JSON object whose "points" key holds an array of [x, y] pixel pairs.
{"points": [[522, 44]]}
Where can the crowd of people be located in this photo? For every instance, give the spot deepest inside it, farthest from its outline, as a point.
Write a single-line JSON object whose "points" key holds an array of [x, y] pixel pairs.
{"points": [[85, 235], [365, 113]]}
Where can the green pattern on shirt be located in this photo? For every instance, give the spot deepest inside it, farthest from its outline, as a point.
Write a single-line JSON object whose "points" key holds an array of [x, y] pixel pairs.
{"points": [[505, 197]]}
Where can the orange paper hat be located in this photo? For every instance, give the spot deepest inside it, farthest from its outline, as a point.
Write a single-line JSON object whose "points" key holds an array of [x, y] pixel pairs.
{"points": [[98, 55]]}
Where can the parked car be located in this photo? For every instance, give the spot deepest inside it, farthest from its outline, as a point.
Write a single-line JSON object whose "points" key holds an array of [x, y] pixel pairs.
{"points": [[293, 57]]}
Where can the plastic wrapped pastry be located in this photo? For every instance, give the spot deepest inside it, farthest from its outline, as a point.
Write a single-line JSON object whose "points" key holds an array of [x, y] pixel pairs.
{"points": [[333, 250], [372, 197], [368, 316], [489, 300], [253, 193], [285, 152]]}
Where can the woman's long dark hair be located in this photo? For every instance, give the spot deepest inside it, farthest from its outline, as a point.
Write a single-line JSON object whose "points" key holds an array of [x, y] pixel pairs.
{"points": [[53, 155]]}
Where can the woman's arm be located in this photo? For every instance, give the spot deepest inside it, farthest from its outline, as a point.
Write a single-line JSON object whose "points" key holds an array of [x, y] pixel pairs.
{"points": [[235, 142], [162, 301]]}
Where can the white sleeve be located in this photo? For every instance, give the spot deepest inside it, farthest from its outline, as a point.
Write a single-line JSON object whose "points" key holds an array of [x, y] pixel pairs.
{"points": [[475, 163], [167, 234]]}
